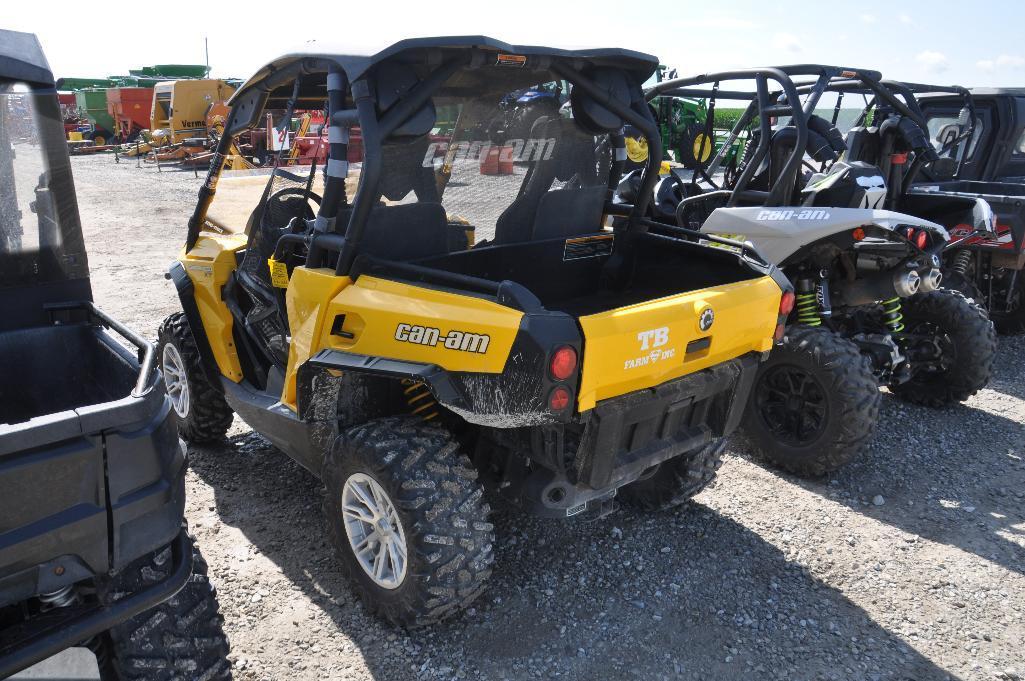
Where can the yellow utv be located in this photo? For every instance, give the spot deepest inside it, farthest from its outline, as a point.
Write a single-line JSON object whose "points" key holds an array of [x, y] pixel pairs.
{"points": [[437, 311]]}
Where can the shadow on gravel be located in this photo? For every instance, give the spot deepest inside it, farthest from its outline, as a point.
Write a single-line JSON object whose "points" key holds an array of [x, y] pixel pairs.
{"points": [[689, 594], [954, 476]]}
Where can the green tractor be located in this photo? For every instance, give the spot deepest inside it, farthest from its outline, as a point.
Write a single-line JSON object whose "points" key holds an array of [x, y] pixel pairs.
{"points": [[689, 133]]}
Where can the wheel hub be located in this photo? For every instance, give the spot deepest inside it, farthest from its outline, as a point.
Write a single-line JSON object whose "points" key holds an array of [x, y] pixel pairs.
{"points": [[792, 404], [374, 530], [175, 380]]}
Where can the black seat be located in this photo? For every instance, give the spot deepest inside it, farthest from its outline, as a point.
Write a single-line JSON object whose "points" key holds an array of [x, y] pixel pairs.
{"points": [[538, 213], [409, 231]]}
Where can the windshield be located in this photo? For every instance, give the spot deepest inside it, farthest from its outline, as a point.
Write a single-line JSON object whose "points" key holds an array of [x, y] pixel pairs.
{"points": [[33, 237], [488, 161]]}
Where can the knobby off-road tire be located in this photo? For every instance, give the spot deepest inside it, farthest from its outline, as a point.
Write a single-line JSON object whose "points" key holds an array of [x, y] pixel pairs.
{"points": [[831, 413], [203, 415], [676, 481], [181, 639], [440, 513], [970, 348]]}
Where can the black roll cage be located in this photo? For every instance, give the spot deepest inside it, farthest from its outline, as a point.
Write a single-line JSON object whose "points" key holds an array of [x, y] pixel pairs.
{"points": [[375, 130], [766, 107], [901, 95]]}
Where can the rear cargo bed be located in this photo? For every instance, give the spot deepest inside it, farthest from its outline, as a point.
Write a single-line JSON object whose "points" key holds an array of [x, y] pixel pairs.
{"points": [[58, 368]]}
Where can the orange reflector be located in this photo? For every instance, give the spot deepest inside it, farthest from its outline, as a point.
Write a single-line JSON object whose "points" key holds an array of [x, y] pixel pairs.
{"points": [[858, 233], [780, 330], [786, 303]]}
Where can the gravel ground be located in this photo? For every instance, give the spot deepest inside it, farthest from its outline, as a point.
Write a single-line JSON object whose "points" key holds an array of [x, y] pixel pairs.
{"points": [[909, 564]]}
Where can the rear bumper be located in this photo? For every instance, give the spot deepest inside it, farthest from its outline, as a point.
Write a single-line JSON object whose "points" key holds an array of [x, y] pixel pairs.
{"points": [[624, 436], [628, 434], [40, 642]]}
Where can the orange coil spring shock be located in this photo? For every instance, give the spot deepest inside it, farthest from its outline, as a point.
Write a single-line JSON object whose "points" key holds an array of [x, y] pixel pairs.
{"points": [[419, 398]]}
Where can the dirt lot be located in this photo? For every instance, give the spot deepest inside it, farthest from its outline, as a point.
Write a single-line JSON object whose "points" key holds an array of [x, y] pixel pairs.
{"points": [[909, 564]]}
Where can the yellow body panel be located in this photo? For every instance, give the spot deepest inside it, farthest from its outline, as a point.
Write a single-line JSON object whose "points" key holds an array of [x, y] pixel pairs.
{"points": [[643, 345], [209, 264], [397, 321], [309, 292]]}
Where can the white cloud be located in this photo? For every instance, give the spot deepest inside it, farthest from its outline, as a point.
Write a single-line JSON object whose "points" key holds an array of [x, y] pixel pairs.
{"points": [[904, 18], [933, 61], [868, 18], [786, 41], [1013, 61], [1004, 61]]}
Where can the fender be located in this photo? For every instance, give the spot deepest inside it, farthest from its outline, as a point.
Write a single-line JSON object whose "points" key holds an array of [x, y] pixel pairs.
{"points": [[779, 232], [186, 293]]}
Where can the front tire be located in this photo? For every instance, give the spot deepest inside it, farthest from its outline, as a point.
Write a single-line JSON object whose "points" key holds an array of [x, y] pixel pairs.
{"points": [[407, 518], [676, 481], [814, 404], [201, 412], [951, 346], [182, 638]]}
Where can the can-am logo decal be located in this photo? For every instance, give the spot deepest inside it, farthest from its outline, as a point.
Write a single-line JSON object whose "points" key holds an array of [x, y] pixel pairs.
{"points": [[781, 215], [653, 341], [453, 340], [706, 319], [514, 150]]}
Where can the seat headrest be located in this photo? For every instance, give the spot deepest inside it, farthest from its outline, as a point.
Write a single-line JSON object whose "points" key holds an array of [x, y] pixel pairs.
{"points": [[392, 83], [593, 116]]}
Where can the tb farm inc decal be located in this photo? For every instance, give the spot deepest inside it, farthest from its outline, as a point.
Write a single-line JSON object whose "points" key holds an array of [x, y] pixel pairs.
{"points": [[654, 342]]}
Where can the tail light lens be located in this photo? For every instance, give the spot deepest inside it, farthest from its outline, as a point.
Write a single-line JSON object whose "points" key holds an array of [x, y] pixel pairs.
{"points": [[559, 399], [921, 239], [564, 363], [786, 303]]}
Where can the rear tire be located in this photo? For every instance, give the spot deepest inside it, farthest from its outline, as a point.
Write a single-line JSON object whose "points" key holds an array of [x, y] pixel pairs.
{"points": [[182, 638], [435, 520], [967, 340], [676, 481], [200, 409], [814, 404]]}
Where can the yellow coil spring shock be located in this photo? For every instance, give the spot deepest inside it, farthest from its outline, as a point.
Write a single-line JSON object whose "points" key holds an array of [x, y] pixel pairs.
{"points": [[419, 398], [892, 316], [808, 309]]}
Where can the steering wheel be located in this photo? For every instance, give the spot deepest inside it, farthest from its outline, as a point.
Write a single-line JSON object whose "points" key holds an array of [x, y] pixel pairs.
{"points": [[283, 196]]}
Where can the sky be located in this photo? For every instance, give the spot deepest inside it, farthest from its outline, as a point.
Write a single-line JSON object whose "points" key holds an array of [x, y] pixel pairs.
{"points": [[973, 44]]}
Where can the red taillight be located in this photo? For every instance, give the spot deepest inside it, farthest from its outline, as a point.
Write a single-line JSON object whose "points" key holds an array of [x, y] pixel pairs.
{"points": [[921, 239], [564, 363], [559, 399], [786, 303]]}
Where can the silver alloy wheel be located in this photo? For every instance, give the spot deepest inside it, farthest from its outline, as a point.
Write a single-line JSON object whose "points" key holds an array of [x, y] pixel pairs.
{"points": [[374, 530], [175, 380]]}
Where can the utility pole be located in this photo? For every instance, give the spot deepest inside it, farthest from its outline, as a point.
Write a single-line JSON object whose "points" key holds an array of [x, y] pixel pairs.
{"points": [[206, 49]]}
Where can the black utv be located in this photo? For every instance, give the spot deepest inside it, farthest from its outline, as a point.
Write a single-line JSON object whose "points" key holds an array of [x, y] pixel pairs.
{"points": [[93, 551]]}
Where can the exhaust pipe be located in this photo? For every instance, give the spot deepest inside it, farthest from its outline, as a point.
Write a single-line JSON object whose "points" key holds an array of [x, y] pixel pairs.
{"points": [[883, 286], [906, 284], [931, 280]]}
